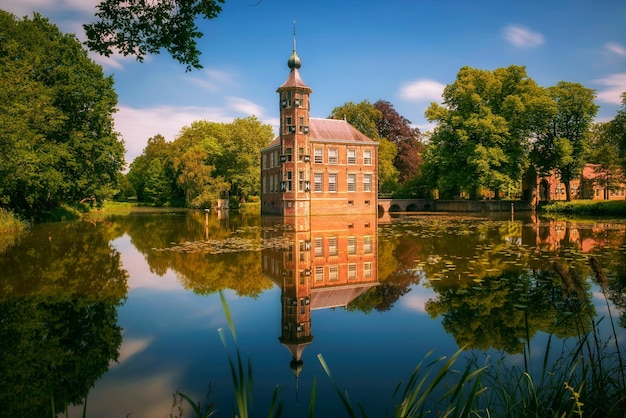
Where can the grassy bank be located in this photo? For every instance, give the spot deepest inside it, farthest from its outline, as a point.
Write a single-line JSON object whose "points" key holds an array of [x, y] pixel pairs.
{"points": [[587, 207], [9, 222]]}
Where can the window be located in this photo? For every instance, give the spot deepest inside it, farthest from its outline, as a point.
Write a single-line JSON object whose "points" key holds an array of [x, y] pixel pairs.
{"points": [[264, 184], [332, 182], [271, 184], [300, 154], [301, 180], [367, 157], [367, 182], [351, 156], [318, 155], [352, 182], [332, 246], [319, 247], [300, 124], [367, 244], [367, 269], [304, 249], [318, 178], [288, 153], [319, 273], [332, 156], [352, 271], [289, 180], [351, 245], [264, 161], [333, 272]]}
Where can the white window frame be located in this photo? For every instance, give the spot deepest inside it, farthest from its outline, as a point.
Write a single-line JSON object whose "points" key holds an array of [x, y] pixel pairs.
{"points": [[352, 182]]}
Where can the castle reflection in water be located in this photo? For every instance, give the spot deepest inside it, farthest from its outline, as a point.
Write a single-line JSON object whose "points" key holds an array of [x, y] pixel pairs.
{"points": [[329, 261]]}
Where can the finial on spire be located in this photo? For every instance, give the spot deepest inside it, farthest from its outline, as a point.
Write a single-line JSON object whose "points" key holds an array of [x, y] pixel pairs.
{"points": [[294, 60]]}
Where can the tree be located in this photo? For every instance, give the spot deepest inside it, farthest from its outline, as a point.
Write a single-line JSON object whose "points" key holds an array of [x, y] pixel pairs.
{"points": [[484, 125], [563, 145], [56, 110], [156, 149], [605, 154], [195, 152], [616, 129], [139, 28], [387, 173], [363, 116], [241, 144], [398, 130]]}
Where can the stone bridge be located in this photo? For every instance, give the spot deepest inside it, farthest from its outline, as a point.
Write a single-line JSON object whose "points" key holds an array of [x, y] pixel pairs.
{"points": [[433, 205]]}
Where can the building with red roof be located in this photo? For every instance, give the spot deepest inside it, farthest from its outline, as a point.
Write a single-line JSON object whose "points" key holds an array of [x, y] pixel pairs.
{"points": [[316, 166]]}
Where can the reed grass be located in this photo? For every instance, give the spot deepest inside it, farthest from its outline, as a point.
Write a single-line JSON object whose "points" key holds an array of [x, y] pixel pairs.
{"points": [[585, 379], [10, 222]]}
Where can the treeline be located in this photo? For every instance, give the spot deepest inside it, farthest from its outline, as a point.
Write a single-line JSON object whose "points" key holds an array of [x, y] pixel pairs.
{"points": [[494, 129], [207, 161], [57, 142]]}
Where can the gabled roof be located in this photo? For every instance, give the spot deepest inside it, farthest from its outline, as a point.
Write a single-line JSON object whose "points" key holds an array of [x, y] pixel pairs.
{"points": [[331, 130], [336, 130]]}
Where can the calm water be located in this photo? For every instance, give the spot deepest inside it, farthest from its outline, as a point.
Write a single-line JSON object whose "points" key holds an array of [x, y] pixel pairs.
{"points": [[125, 309]]}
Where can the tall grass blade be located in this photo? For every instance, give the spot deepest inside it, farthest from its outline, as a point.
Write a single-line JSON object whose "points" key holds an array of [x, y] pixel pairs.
{"points": [[342, 396], [313, 395]]}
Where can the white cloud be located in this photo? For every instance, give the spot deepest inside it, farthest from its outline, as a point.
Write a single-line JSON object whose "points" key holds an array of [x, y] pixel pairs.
{"points": [[422, 89], [616, 49], [137, 125], [212, 79], [614, 86], [245, 106], [522, 36], [415, 302]]}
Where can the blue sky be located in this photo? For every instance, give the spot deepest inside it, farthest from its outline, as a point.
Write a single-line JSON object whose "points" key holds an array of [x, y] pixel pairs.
{"points": [[402, 51]]}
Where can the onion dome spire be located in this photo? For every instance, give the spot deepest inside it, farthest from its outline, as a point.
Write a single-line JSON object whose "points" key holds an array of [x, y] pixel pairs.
{"points": [[294, 60]]}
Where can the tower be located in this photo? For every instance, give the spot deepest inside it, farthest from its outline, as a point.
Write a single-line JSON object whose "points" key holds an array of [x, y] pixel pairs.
{"points": [[295, 157]]}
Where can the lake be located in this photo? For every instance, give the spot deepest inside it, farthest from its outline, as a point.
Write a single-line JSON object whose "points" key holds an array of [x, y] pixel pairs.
{"points": [[125, 309]]}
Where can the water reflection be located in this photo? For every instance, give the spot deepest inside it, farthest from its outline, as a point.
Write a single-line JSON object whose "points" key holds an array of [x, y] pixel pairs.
{"points": [[326, 263], [498, 283], [487, 284], [59, 294]]}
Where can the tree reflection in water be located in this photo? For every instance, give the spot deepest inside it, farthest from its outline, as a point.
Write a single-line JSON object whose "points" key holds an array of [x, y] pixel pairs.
{"points": [[58, 317]]}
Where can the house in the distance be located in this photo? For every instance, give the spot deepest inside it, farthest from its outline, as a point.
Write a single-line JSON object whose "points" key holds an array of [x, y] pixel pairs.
{"points": [[316, 166], [592, 184]]}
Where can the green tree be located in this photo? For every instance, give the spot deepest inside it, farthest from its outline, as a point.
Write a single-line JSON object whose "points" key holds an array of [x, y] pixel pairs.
{"points": [[140, 28], [241, 143], [363, 116], [56, 110], [157, 148], [484, 125], [616, 129], [564, 144], [605, 154], [156, 188], [387, 173]]}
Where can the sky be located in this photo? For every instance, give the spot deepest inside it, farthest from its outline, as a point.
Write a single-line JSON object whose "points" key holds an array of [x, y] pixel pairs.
{"points": [[401, 51]]}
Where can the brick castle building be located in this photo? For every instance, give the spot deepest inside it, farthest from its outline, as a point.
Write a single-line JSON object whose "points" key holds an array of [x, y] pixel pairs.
{"points": [[316, 166]]}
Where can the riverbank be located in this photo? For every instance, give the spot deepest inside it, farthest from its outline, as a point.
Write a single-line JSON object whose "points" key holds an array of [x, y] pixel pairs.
{"points": [[586, 207]]}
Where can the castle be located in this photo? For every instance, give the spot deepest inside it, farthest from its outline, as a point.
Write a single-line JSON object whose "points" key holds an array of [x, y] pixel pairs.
{"points": [[316, 166]]}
